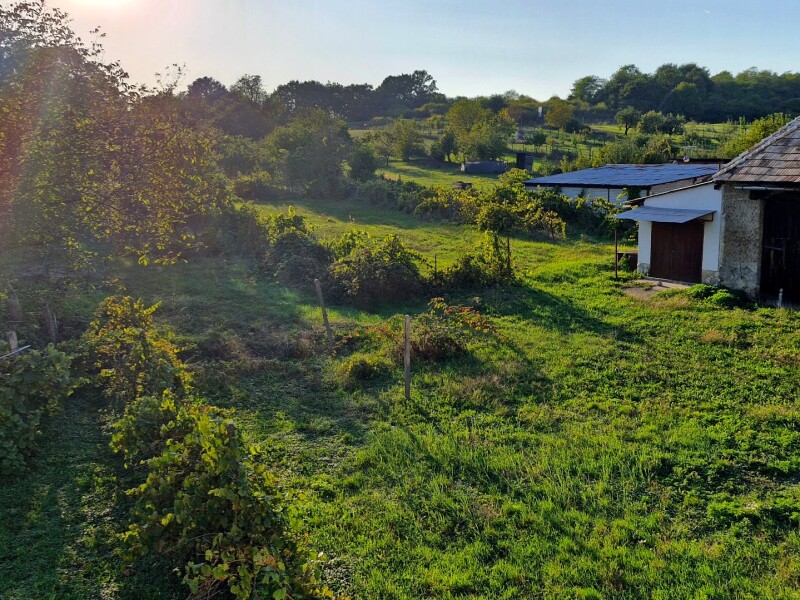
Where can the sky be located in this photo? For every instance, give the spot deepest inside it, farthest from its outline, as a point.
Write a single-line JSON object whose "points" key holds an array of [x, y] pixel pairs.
{"points": [[536, 47]]}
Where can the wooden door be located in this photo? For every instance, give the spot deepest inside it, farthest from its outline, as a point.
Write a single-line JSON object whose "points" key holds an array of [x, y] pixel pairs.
{"points": [[676, 251]]}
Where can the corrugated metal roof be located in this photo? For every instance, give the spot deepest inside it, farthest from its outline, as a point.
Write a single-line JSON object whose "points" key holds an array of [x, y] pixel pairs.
{"points": [[775, 159], [663, 215], [622, 176]]}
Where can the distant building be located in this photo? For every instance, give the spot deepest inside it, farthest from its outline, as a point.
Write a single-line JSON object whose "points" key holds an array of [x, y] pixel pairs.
{"points": [[611, 181], [484, 167], [740, 230]]}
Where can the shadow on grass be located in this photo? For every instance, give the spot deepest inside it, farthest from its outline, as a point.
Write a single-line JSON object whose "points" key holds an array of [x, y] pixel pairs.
{"points": [[59, 522], [551, 312]]}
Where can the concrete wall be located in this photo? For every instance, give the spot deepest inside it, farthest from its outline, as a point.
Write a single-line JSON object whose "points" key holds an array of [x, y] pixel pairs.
{"points": [[701, 197], [741, 240]]}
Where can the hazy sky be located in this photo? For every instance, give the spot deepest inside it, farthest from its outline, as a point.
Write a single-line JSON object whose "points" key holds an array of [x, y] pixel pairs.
{"points": [[537, 47]]}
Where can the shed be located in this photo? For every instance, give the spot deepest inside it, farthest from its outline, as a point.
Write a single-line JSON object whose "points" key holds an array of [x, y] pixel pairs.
{"points": [[611, 181], [484, 167], [740, 229]]}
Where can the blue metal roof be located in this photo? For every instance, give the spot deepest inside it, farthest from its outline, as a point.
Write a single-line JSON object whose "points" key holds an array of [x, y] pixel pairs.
{"points": [[622, 176]]}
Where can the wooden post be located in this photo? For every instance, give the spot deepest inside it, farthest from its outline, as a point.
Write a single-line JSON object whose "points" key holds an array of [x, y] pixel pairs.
{"points": [[616, 254], [407, 356], [325, 321], [12, 340], [50, 323], [14, 308]]}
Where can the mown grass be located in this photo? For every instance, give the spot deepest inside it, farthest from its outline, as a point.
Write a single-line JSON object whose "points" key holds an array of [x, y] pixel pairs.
{"points": [[595, 446]]}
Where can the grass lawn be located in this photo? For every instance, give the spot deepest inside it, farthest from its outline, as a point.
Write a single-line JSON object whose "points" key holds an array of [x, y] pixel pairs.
{"points": [[594, 446]]}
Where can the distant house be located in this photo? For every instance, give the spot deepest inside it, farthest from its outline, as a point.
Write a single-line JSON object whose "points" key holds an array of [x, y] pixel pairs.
{"points": [[740, 230], [484, 167], [611, 181]]}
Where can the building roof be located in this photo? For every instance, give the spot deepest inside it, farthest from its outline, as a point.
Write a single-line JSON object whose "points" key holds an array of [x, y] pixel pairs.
{"points": [[663, 215], [625, 176], [773, 160]]}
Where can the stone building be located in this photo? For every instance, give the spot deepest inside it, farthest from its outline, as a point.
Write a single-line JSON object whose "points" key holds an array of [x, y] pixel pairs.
{"points": [[740, 230]]}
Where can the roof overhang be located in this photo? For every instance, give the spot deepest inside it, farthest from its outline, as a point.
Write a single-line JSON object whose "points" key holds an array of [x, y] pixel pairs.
{"points": [[665, 215]]}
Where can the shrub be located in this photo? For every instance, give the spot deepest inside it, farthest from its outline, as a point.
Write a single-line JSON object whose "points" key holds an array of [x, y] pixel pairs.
{"points": [[254, 186], [362, 367], [131, 355], [372, 276], [295, 256], [490, 265], [34, 384], [443, 331], [209, 503]]}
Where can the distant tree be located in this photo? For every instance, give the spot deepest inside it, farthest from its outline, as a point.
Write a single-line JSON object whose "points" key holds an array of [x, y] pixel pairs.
{"points": [[755, 132], [652, 122], [207, 88], [537, 138], [628, 117], [362, 161], [250, 88], [406, 139], [406, 90], [586, 89], [559, 114], [308, 152]]}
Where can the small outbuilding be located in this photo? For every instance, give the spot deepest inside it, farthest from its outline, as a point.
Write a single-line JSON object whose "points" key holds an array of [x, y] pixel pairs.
{"points": [[612, 181], [740, 230], [484, 167]]}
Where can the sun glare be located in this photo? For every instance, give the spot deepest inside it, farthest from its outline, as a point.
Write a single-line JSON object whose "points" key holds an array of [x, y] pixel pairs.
{"points": [[104, 4]]}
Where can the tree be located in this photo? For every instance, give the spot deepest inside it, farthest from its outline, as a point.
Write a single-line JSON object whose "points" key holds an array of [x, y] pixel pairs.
{"points": [[308, 152], [652, 122], [407, 90], [362, 161], [406, 139], [628, 117], [559, 114], [587, 89], [757, 131], [250, 88]]}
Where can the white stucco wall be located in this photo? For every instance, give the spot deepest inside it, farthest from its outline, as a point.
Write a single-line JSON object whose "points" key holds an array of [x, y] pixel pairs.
{"points": [[700, 197]]}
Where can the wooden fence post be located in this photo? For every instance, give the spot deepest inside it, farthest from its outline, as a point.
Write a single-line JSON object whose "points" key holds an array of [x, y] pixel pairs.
{"points": [[325, 321], [407, 357], [14, 308], [50, 323], [12, 340]]}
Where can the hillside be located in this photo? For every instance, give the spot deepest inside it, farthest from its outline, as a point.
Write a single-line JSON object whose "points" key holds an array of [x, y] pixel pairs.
{"points": [[593, 445]]}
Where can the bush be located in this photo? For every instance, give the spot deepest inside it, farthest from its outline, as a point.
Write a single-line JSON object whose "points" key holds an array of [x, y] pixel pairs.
{"points": [[372, 276], [34, 384], [490, 265], [295, 255], [254, 186], [717, 296], [362, 367], [210, 504], [131, 355], [443, 331]]}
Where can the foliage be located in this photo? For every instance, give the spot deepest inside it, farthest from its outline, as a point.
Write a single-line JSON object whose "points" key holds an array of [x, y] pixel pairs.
{"points": [[628, 117], [559, 115], [359, 368], [34, 384], [490, 265], [295, 255], [130, 354], [755, 132], [254, 186], [88, 162], [370, 276], [209, 503], [444, 331], [406, 140], [308, 152], [479, 133], [362, 161]]}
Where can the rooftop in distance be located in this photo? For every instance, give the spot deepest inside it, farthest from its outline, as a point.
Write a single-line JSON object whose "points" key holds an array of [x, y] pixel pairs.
{"points": [[624, 176]]}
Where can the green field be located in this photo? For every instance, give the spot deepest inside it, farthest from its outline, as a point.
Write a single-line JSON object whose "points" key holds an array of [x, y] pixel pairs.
{"points": [[594, 446]]}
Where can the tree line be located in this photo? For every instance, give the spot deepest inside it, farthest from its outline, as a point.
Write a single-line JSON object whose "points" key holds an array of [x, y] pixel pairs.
{"points": [[690, 90]]}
